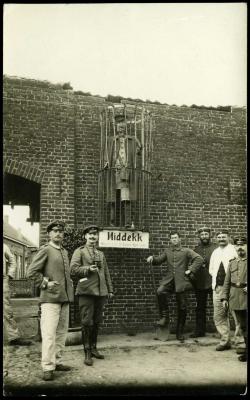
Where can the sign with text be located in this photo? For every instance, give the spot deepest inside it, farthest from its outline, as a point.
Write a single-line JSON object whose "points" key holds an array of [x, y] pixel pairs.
{"points": [[124, 239]]}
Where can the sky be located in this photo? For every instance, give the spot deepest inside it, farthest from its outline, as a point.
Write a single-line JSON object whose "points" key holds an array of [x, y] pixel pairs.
{"points": [[175, 53]]}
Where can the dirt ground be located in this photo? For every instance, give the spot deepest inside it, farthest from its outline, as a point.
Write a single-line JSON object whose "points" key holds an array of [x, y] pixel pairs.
{"points": [[186, 369]]}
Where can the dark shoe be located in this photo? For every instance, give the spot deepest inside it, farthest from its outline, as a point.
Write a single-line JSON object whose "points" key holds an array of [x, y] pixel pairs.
{"points": [[88, 360], [95, 353], [20, 342], [61, 367], [222, 347], [242, 358], [197, 334], [48, 375], [180, 337]]}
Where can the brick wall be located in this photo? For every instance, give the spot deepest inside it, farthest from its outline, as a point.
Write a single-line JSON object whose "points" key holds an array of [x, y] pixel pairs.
{"points": [[52, 135]]}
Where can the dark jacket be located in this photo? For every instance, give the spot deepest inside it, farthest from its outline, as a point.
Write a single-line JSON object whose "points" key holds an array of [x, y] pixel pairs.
{"points": [[236, 273], [202, 278], [96, 283], [52, 263], [178, 260]]}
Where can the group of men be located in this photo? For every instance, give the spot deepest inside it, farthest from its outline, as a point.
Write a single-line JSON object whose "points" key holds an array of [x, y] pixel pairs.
{"points": [[220, 268], [223, 268]]}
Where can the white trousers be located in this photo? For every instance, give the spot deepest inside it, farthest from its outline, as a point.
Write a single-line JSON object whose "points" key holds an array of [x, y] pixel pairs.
{"points": [[221, 317], [54, 328]]}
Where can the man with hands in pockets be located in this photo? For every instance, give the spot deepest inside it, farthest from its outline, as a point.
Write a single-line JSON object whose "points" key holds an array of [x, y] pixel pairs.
{"points": [[50, 271]]}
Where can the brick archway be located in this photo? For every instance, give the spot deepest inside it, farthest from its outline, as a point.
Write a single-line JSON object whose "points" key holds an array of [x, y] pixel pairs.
{"points": [[24, 170]]}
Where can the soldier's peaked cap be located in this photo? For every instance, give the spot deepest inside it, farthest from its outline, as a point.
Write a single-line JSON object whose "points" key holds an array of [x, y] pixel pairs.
{"points": [[222, 231], [91, 227], [240, 240], [55, 224], [204, 229]]}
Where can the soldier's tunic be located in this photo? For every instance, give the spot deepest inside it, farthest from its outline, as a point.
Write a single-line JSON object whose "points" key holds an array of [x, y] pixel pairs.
{"points": [[93, 286]]}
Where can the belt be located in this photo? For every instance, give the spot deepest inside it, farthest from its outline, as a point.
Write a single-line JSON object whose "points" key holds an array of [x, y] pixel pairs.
{"points": [[239, 285]]}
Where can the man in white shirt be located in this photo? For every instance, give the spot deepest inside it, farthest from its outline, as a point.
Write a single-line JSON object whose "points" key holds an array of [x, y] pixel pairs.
{"points": [[217, 268]]}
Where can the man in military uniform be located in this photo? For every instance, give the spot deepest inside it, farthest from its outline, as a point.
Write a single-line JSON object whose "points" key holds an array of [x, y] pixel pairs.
{"points": [[89, 266], [182, 263], [50, 271], [202, 281], [234, 291]]}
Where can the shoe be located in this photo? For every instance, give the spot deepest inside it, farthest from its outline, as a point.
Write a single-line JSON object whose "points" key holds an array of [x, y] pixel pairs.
{"points": [[88, 360], [240, 350], [95, 353], [180, 337], [222, 347], [197, 334], [48, 375], [61, 367], [20, 342], [243, 357]]}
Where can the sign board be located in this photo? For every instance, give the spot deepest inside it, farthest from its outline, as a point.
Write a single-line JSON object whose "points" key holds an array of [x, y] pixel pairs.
{"points": [[124, 239]]}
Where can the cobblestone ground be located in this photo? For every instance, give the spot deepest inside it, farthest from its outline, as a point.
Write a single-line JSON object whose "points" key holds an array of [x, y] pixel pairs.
{"points": [[167, 369]]}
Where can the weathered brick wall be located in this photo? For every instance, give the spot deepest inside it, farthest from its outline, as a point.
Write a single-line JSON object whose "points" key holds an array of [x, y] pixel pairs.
{"points": [[198, 171]]}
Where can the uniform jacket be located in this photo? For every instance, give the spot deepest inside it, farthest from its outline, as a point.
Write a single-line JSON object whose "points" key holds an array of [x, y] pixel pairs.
{"points": [[96, 283], [202, 278], [9, 262], [219, 255], [53, 263], [236, 273], [178, 260]]}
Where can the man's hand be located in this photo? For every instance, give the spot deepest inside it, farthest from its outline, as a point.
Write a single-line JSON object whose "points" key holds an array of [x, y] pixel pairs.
{"points": [[245, 289], [93, 268], [188, 272], [52, 284], [149, 259], [225, 304], [110, 295]]}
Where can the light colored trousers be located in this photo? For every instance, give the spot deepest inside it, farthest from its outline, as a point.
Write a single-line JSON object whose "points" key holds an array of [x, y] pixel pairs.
{"points": [[54, 328], [221, 317]]}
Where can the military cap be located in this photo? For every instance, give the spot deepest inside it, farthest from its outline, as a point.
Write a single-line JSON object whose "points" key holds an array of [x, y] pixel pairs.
{"points": [[222, 231], [204, 229], [240, 240], [55, 224], [88, 228]]}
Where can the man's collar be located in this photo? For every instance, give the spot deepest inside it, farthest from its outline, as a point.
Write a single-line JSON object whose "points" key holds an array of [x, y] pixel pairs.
{"points": [[55, 245], [178, 247], [242, 258]]}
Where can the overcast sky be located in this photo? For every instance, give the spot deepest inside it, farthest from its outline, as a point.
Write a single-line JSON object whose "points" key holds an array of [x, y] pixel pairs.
{"points": [[179, 53]]}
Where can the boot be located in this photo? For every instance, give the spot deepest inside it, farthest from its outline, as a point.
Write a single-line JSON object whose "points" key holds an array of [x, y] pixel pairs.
{"points": [[163, 311], [94, 352], [86, 341], [200, 326], [180, 325]]}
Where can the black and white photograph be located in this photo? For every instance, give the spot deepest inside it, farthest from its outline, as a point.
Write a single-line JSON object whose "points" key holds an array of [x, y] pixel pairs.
{"points": [[124, 199]]}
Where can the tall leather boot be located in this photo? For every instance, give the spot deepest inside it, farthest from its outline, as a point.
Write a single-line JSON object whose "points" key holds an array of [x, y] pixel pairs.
{"points": [[163, 310], [86, 341], [94, 352], [180, 325], [200, 324]]}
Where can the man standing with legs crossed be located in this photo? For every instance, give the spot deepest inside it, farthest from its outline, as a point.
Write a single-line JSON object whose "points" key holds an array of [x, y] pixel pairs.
{"points": [[50, 271]]}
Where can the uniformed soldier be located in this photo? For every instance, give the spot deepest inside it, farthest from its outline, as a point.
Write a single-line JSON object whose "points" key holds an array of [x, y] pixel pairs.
{"points": [[50, 271], [182, 263], [202, 281], [234, 293], [89, 266]]}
